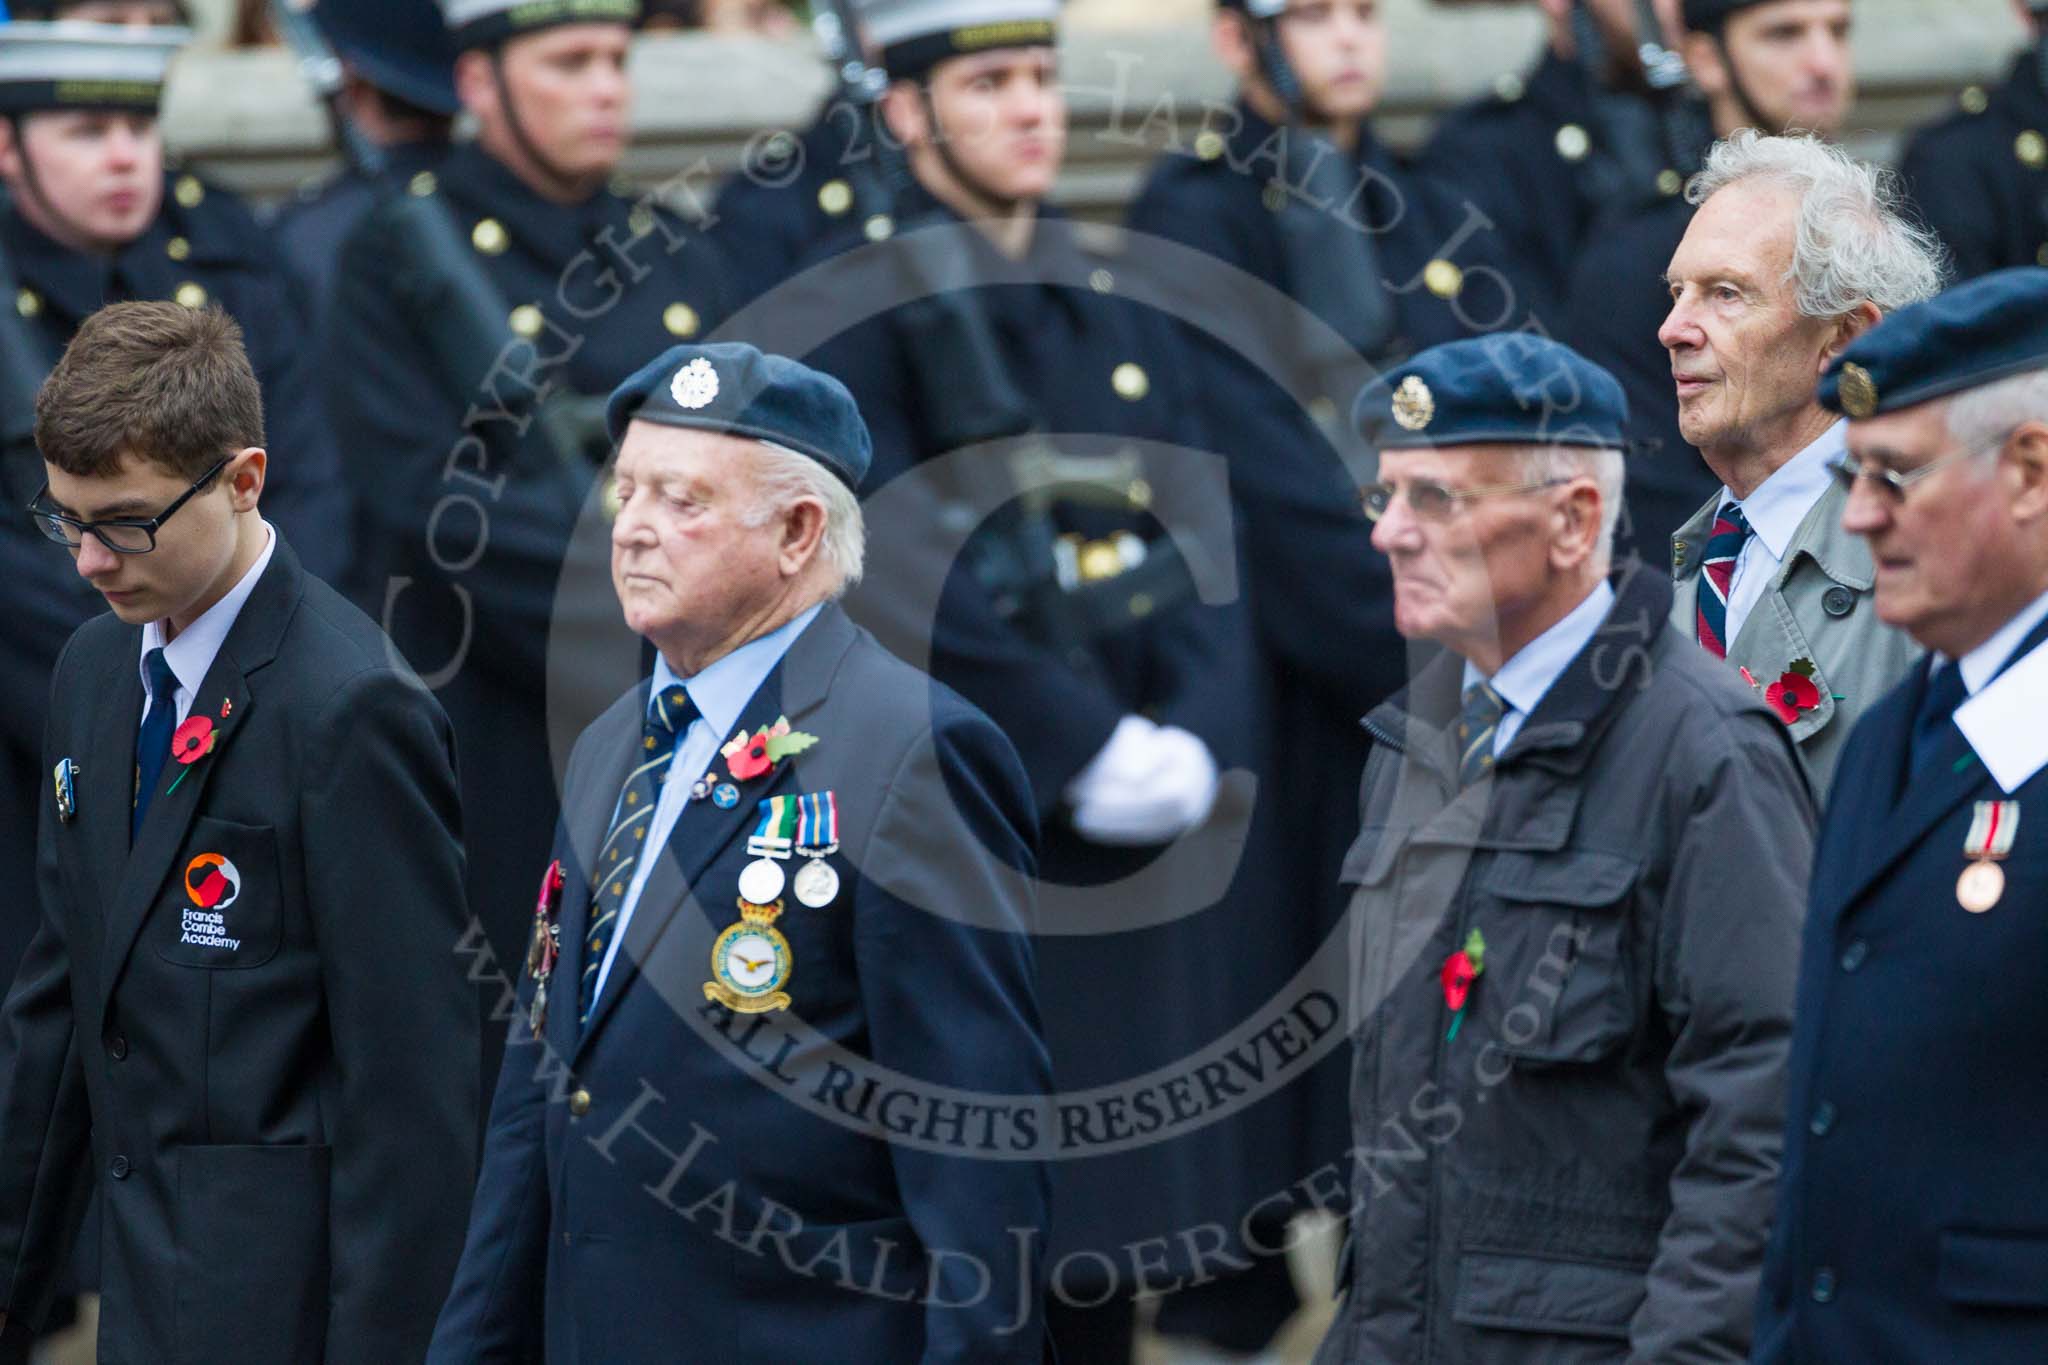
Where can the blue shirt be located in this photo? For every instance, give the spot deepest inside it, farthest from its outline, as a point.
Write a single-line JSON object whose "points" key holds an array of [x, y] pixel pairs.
{"points": [[720, 693], [1523, 680]]}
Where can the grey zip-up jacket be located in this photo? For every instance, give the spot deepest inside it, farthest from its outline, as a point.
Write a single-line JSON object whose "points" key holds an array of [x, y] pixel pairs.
{"points": [[1585, 1172]]}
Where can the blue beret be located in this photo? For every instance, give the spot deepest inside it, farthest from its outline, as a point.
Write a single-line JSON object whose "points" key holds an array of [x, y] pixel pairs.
{"points": [[733, 387], [1510, 387], [1991, 328]]}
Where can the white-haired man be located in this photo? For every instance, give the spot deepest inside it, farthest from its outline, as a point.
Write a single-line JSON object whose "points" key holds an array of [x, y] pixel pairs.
{"points": [[1795, 250], [767, 971], [1576, 895]]}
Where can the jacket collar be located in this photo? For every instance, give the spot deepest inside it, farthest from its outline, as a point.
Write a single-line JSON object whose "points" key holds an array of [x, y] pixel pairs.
{"points": [[75, 284], [552, 233], [1842, 556]]}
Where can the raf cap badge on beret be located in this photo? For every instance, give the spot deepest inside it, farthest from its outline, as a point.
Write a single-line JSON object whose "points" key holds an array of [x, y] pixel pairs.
{"points": [[1858, 391], [1413, 403], [695, 385]]}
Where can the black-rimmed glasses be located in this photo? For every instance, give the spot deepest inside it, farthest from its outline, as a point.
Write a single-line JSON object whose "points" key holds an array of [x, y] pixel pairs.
{"points": [[122, 535]]}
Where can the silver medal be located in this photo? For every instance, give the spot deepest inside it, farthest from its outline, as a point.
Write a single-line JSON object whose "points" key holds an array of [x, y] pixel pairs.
{"points": [[817, 885], [761, 881]]}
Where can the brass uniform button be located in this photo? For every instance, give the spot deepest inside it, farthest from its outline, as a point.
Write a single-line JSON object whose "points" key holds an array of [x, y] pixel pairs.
{"points": [[1973, 99], [1274, 198], [680, 319], [2032, 150], [1323, 409], [640, 221], [1573, 142], [1669, 182], [879, 228], [1141, 604], [188, 191], [178, 249], [1099, 560], [191, 295], [579, 1103], [835, 197], [526, 320], [489, 236], [28, 303], [1130, 381], [1209, 144], [422, 185], [1508, 87], [1442, 278], [1139, 493], [1102, 282]]}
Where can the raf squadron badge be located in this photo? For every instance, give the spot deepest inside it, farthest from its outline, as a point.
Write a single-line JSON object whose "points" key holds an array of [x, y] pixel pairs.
{"points": [[63, 778], [750, 962], [1990, 840], [547, 944]]}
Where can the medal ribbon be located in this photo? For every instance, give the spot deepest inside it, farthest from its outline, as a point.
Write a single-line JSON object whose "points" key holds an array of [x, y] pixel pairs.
{"points": [[778, 824], [817, 830], [1992, 829]]}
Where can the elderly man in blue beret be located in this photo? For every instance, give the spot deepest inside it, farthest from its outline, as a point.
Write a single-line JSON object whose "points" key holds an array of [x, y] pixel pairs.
{"points": [[1913, 1218], [775, 1079], [1575, 902]]}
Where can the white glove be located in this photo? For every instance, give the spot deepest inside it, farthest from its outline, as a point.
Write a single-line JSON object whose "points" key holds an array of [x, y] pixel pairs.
{"points": [[1149, 785]]}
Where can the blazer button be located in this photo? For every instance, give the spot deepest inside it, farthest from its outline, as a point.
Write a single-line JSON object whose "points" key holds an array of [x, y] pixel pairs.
{"points": [[118, 1168], [1823, 1285], [1853, 955], [579, 1103], [1823, 1121], [1838, 601], [117, 1047]]}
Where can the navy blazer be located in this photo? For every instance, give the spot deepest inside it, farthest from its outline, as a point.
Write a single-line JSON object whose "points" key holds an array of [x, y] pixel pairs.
{"points": [[275, 1078], [1913, 1211], [677, 1181]]}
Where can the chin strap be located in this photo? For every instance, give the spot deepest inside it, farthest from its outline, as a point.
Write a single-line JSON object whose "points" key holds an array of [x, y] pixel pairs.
{"points": [[1003, 203], [34, 185], [518, 128]]}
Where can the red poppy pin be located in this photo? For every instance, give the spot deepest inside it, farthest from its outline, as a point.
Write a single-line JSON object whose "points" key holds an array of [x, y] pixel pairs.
{"points": [[191, 742], [1796, 693], [1460, 970], [748, 756]]}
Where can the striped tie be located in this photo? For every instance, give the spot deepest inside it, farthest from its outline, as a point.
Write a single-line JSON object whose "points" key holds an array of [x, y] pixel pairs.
{"points": [[1476, 726], [668, 718], [1717, 577]]}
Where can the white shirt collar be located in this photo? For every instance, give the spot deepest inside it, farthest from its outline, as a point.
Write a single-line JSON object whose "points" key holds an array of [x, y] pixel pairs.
{"points": [[723, 689], [193, 652], [1981, 664], [1776, 507], [1524, 679]]}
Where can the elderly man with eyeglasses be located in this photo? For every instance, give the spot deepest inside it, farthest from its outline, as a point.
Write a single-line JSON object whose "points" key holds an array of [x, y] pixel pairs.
{"points": [[1913, 1218], [1796, 250], [1575, 907]]}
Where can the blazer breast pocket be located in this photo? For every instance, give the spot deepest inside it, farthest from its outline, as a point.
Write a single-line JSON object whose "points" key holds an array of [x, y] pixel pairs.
{"points": [[221, 906]]}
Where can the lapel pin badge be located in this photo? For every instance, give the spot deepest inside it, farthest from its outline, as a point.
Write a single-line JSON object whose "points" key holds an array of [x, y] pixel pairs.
{"points": [[63, 776]]}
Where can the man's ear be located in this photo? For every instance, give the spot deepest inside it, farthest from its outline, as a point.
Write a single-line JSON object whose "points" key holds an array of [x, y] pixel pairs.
{"points": [[803, 530], [2026, 458], [245, 475], [1848, 327], [476, 84], [1702, 53], [903, 109], [10, 150], [1577, 533]]}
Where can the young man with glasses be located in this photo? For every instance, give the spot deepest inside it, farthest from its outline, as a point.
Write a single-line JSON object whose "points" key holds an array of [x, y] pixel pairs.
{"points": [[1913, 1215], [1795, 250], [242, 1006], [1576, 895]]}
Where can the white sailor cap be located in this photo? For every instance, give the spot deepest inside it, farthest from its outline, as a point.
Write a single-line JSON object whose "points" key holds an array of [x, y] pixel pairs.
{"points": [[74, 65]]}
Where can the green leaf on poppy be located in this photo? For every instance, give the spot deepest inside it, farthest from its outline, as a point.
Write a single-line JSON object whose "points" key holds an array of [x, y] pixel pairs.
{"points": [[1475, 948], [782, 746], [1805, 668]]}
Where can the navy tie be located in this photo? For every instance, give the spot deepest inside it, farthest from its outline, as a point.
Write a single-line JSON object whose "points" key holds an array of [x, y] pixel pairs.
{"points": [[1934, 722], [153, 740], [1480, 719]]}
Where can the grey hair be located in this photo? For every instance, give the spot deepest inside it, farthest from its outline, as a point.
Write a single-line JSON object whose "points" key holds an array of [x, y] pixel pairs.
{"points": [[1602, 464], [1980, 419], [783, 476], [1854, 240]]}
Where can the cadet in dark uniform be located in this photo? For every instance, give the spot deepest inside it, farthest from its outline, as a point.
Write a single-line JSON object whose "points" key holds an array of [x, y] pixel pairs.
{"points": [[534, 277], [242, 1005], [1402, 263], [790, 194], [1072, 620], [1980, 176], [400, 94], [1772, 65], [90, 216], [1913, 1208], [1592, 132]]}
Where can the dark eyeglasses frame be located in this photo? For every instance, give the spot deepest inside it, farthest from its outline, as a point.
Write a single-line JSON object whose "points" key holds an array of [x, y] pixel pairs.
{"points": [[1439, 500], [52, 522], [1847, 469]]}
